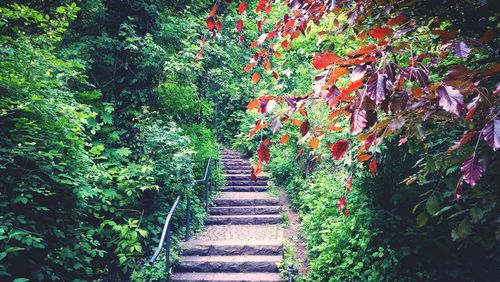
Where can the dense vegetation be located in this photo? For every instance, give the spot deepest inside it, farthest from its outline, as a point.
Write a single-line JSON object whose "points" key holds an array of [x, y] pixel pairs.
{"points": [[391, 158], [104, 120], [109, 110]]}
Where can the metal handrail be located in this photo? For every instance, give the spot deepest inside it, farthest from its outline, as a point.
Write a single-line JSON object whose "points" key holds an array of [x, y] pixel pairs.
{"points": [[166, 232]]}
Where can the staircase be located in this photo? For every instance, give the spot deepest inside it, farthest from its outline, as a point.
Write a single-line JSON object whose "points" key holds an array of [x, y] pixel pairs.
{"points": [[242, 239]]}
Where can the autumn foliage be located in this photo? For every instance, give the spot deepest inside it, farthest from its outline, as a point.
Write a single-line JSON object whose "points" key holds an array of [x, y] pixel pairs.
{"points": [[392, 89]]}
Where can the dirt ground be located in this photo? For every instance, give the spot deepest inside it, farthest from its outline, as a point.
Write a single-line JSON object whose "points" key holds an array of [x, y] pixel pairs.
{"points": [[292, 234]]}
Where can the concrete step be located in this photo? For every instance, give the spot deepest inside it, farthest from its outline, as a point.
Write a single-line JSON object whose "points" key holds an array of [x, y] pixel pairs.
{"points": [[244, 176], [231, 248], [232, 159], [237, 165], [245, 199], [227, 277], [243, 219], [245, 210], [238, 171], [244, 188], [248, 182], [228, 263]]}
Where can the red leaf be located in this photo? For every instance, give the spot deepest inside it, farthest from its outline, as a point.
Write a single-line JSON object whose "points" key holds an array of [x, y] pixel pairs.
{"points": [[336, 73], [403, 140], [363, 50], [491, 133], [314, 143], [472, 170], [210, 23], [364, 157], [355, 85], [369, 141], [348, 185], [253, 176], [198, 56], [242, 7], [339, 148], [304, 127], [255, 77], [346, 213], [214, 10], [342, 203], [259, 125], [373, 166], [253, 104], [397, 20], [462, 141], [450, 99], [275, 75], [218, 25], [358, 121], [263, 153], [249, 67], [323, 60], [491, 70], [380, 32], [284, 138], [239, 25]]}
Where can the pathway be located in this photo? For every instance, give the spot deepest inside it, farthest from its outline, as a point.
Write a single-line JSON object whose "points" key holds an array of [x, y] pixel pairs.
{"points": [[242, 239]]}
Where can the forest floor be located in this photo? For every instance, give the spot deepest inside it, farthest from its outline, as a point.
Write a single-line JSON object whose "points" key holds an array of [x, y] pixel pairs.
{"points": [[292, 234]]}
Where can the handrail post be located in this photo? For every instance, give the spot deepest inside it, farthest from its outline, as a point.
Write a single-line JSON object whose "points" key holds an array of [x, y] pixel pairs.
{"points": [[206, 196], [188, 216], [167, 252]]}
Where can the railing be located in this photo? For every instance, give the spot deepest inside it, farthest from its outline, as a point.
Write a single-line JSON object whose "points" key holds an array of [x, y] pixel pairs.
{"points": [[292, 271], [165, 238]]}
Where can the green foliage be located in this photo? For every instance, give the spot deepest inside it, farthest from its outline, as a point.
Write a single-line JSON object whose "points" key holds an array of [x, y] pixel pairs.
{"points": [[92, 153]]}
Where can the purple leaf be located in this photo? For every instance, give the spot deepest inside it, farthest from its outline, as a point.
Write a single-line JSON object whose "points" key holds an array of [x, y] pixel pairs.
{"points": [[291, 103], [491, 133], [450, 99], [358, 121], [358, 72], [376, 88], [262, 104], [399, 102], [462, 50], [390, 70], [413, 73], [472, 170], [294, 5]]}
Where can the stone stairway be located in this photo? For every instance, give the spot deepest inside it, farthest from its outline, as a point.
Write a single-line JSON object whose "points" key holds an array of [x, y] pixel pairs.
{"points": [[242, 239]]}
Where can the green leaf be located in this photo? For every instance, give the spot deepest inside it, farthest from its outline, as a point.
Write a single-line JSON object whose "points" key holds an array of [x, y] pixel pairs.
{"points": [[432, 206], [13, 249], [2, 255], [422, 219], [20, 280]]}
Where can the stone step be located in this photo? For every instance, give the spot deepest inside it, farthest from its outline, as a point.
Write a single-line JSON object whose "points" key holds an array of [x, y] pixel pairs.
{"points": [[246, 182], [227, 277], [245, 199], [247, 210], [236, 164], [238, 167], [243, 219], [231, 157], [228, 263], [244, 188], [244, 176], [231, 248], [238, 171]]}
